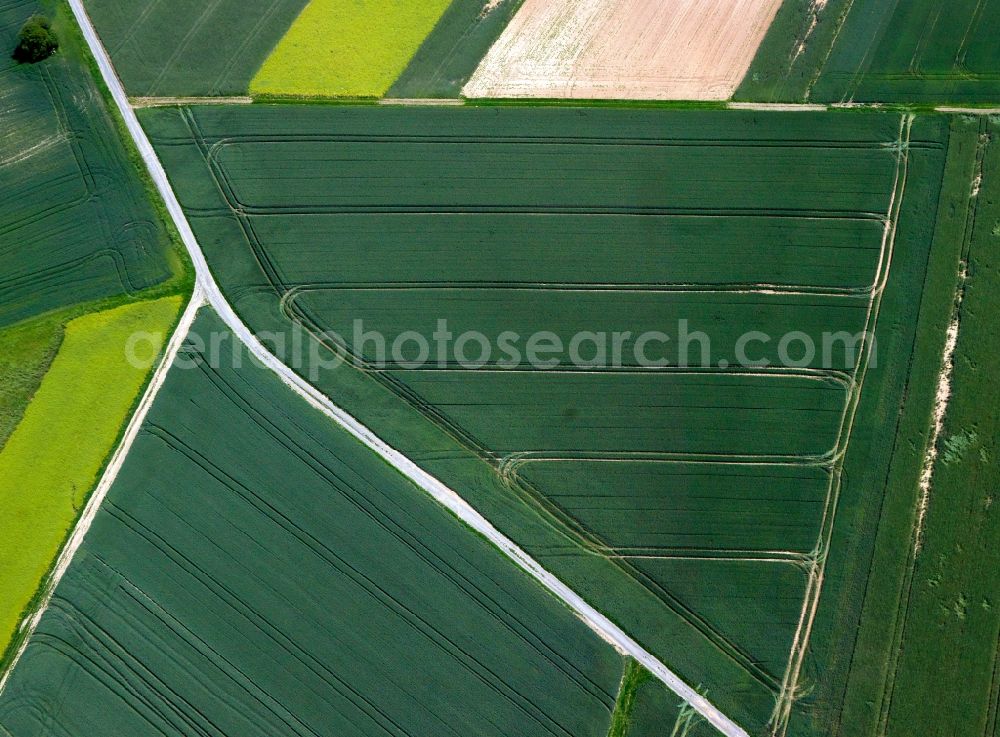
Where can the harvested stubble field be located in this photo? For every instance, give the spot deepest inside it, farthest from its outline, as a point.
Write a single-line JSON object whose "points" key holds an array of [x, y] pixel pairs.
{"points": [[257, 571], [75, 224], [695, 507], [919, 51], [176, 48], [624, 49]]}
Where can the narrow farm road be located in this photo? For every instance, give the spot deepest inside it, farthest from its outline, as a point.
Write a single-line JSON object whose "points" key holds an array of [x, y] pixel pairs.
{"points": [[604, 627], [108, 476]]}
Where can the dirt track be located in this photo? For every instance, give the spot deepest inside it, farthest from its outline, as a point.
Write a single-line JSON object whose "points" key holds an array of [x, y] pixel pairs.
{"points": [[625, 49], [208, 290]]}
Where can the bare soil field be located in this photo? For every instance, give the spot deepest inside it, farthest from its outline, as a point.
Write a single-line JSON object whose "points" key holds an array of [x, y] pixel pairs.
{"points": [[625, 49]]}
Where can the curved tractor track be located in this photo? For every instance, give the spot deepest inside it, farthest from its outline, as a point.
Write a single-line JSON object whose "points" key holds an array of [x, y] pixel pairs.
{"points": [[208, 290]]}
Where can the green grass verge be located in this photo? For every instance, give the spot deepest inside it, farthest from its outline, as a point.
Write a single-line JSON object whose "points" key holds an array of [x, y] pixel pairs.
{"points": [[635, 675], [347, 48], [54, 457]]}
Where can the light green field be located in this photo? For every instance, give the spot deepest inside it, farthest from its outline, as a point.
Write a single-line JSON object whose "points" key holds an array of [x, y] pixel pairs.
{"points": [[347, 48], [54, 456]]}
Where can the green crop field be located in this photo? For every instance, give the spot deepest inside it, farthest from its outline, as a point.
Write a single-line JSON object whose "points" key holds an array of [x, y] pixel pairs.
{"points": [[453, 50], [373, 41], [647, 708], [52, 460], [75, 224], [694, 506], [257, 571], [950, 624], [29, 348], [920, 51], [925, 654], [188, 47], [657, 712], [916, 52]]}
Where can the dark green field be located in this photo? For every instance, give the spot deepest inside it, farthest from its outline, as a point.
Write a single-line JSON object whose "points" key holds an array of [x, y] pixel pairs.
{"points": [[693, 506], [657, 712], [911, 52], [75, 223], [949, 627], [29, 349], [761, 529], [257, 571], [451, 53], [930, 627], [187, 47]]}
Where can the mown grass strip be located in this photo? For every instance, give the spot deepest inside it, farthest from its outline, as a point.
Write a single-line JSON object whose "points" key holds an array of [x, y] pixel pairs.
{"points": [[347, 48], [55, 455]]}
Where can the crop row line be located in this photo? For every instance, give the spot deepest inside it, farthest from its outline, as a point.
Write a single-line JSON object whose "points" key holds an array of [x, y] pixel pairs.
{"points": [[365, 582], [365, 506]]}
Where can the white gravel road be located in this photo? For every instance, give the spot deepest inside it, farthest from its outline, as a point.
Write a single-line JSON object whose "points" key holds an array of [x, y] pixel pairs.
{"points": [[439, 491]]}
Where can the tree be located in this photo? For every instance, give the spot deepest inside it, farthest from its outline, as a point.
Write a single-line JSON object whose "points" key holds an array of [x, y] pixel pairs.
{"points": [[36, 41]]}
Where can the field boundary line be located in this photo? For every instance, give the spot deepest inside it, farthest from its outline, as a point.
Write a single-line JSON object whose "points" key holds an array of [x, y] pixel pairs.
{"points": [[107, 479], [783, 107], [968, 110], [421, 101], [599, 623], [153, 101]]}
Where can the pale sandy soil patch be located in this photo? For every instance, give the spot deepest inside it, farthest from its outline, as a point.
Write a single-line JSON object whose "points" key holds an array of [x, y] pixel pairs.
{"points": [[627, 49]]}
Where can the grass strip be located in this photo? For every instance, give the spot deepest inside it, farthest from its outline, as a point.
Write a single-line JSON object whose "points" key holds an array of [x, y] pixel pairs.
{"points": [[54, 457], [635, 675]]}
